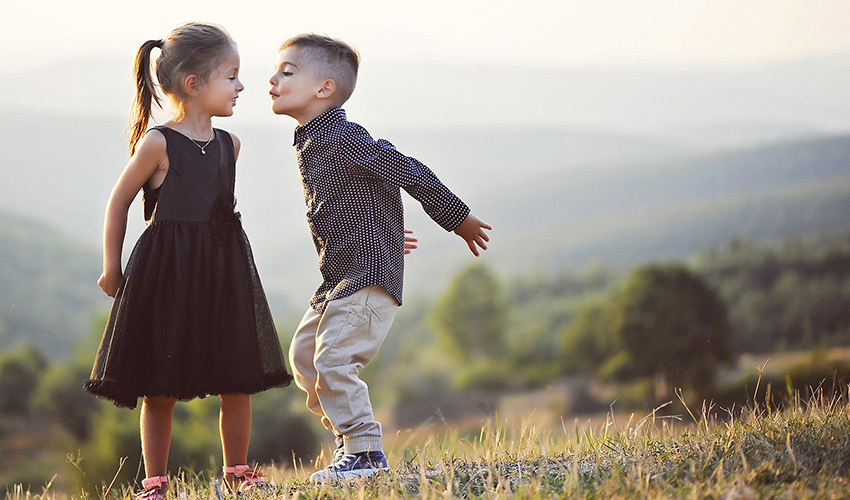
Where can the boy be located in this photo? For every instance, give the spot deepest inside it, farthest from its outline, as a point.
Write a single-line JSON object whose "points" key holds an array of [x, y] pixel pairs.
{"points": [[351, 188]]}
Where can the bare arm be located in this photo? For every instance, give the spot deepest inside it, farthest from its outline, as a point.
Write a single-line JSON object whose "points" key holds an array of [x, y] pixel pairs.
{"points": [[237, 144], [148, 158]]}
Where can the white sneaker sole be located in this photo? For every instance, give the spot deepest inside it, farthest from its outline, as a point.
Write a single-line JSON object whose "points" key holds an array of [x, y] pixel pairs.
{"points": [[326, 475]]}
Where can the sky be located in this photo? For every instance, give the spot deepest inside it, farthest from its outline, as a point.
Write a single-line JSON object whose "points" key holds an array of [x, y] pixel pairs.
{"points": [[509, 32], [406, 48]]}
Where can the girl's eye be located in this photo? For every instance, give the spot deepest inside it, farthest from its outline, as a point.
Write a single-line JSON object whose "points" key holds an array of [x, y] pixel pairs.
{"points": [[286, 73]]}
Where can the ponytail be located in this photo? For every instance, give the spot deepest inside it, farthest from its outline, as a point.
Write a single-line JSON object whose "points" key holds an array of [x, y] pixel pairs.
{"points": [[146, 94], [190, 49]]}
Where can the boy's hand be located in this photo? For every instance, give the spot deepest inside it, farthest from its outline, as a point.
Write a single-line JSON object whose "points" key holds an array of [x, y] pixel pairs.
{"points": [[472, 230], [409, 242]]}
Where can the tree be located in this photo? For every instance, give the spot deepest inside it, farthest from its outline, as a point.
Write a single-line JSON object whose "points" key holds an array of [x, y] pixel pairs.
{"points": [[20, 370], [471, 317], [671, 324], [60, 395], [587, 341]]}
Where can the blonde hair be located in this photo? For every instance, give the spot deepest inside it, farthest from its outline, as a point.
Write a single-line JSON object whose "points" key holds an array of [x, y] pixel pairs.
{"points": [[329, 58], [190, 49]]}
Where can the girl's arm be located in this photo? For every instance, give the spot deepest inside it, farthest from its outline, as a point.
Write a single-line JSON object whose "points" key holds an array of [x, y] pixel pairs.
{"points": [[149, 157], [237, 144]]}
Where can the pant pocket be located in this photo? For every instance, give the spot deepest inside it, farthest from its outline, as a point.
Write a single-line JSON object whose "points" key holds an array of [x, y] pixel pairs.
{"points": [[381, 305], [358, 311]]}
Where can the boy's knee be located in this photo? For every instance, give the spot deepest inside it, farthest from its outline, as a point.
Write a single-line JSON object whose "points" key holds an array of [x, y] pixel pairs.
{"points": [[332, 369], [322, 364]]}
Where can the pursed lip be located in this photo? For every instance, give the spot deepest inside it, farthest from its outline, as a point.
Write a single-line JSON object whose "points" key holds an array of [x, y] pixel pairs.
{"points": [[274, 96]]}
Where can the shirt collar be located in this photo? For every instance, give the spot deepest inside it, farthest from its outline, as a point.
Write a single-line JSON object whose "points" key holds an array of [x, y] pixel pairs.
{"points": [[317, 124]]}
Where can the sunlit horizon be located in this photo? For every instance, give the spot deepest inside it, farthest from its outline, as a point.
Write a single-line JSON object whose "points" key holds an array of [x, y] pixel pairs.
{"points": [[508, 32]]}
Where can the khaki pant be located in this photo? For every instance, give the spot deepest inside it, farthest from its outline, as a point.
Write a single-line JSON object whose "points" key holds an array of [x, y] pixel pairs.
{"points": [[327, 352]]}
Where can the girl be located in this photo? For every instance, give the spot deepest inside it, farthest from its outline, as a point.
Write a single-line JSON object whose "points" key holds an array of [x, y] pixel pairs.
{"points": [[190, 317]]}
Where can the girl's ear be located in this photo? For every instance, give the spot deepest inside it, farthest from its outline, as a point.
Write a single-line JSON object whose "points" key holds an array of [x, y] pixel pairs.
{"points": [[190, 85], [328, 89]]}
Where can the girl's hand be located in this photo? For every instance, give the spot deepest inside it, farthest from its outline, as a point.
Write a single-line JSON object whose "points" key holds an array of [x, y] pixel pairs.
{"points": [[109, 282], [472, 231], [409, 242]]}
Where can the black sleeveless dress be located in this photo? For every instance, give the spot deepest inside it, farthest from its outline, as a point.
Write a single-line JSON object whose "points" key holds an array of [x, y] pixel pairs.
{"points": [[190, 318]]}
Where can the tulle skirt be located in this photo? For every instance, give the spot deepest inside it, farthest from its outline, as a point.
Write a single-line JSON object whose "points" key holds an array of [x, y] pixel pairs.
{"points": [[190, 319]]}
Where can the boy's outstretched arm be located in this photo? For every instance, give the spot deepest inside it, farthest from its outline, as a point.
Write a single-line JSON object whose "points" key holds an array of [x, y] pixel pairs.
{"points": [[472, 231]]}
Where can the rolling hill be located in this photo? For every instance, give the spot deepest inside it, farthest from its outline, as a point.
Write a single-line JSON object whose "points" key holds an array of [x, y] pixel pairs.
{"points": [[48, 284], [628, 213], [622, 213]]}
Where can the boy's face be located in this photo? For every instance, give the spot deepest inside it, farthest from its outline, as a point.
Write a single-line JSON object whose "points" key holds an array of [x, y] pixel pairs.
{"points": [[295, 89]]}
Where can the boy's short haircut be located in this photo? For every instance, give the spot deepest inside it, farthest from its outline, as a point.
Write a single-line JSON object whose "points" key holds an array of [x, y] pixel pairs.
{"points": [[329, 58]]}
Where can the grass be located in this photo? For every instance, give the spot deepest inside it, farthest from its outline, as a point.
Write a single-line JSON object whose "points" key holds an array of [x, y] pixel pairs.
{"points": [[799, 452]]}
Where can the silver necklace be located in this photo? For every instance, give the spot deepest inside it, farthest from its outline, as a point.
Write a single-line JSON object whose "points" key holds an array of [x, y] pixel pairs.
{"points": [[202, 148]]}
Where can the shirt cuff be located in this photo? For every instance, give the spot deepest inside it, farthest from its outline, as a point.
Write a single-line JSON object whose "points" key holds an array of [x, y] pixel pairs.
{"points": [[452, 215]]}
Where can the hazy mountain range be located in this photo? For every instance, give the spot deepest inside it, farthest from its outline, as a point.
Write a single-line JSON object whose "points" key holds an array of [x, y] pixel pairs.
{"points": [[570, 166], [618, 215]]}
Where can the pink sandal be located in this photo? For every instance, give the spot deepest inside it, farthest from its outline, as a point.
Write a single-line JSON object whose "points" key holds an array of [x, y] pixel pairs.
{"points": [[152, 487], [249, 479]]}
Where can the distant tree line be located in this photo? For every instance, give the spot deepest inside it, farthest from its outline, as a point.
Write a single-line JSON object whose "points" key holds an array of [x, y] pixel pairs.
{"points": [[791, 295], [673, 322]]}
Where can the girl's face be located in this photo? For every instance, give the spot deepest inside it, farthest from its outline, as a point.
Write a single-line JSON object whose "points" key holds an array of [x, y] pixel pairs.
{"points": [[219, 93]]}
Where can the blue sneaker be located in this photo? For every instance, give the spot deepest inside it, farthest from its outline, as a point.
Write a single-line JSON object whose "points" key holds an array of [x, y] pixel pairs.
{"points": [[356, 465]]}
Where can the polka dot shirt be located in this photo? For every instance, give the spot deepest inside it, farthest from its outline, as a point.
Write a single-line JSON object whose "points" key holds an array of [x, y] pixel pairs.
{"points": [[351, 186]]}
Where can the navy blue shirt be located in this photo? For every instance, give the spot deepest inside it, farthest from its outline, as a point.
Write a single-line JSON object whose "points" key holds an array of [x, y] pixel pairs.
{"points": [[351, 186]]}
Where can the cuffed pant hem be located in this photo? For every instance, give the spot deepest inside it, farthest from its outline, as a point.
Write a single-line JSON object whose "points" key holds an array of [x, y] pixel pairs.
{"points": [[361, 444]]}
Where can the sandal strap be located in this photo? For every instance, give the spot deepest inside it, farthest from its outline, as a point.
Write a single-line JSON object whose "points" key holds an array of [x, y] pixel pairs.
{"points": [[249, 479], [150, 483], [237, 470]]}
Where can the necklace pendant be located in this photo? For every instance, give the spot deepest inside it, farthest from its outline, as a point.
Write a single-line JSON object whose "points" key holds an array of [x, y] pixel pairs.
{"points": [[203, 151]]}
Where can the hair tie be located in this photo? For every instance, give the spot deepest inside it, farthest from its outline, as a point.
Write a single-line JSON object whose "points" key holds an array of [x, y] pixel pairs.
{"points": [[158, 43]]}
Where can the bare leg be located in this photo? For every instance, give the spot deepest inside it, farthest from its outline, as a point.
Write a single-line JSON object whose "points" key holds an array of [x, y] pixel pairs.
{"points": [[235, 426], [155, 424]]}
